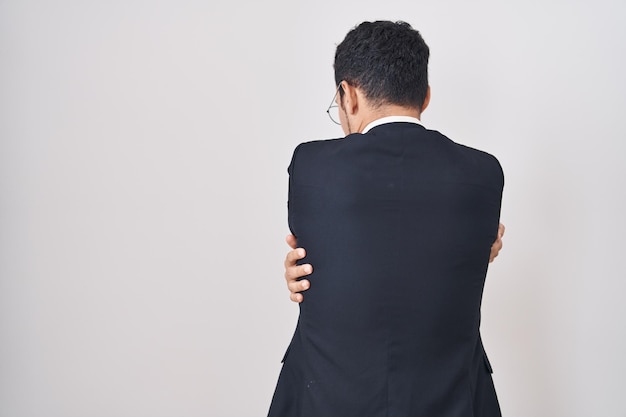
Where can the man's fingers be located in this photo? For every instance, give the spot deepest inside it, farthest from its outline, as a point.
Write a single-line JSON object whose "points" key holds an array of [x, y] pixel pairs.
{"points": [[294, 272], [495, 250], [497, 245], [293, 256], [296, 297], [298, 286], [291, 241]]}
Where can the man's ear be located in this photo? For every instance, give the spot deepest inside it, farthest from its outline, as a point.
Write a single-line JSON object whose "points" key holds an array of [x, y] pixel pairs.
{"points": [[426, 100], [351, 98]]}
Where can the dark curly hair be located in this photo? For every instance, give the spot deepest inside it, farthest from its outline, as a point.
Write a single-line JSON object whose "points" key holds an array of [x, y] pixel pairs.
{"points": [[387, 60]]}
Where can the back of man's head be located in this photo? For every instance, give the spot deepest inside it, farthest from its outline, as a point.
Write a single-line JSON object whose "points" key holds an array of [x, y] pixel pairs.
{"points": [[387, 60]]}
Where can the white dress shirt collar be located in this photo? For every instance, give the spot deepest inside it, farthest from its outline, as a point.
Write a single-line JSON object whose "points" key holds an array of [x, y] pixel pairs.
{"points": [[390, 119]]}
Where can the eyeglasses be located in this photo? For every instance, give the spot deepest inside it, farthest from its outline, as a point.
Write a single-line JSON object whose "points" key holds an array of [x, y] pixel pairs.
{"points": [[333, 109]]}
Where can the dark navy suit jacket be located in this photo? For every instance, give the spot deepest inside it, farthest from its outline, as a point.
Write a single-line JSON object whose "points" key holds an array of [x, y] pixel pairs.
{"points": [[398, 224]]}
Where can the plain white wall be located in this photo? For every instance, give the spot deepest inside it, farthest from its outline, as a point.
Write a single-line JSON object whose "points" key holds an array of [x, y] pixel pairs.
{"points": [[143, 185]]}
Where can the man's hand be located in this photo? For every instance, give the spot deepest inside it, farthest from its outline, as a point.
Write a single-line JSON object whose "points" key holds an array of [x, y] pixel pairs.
{"points": [[293, 271], [497, 245]]}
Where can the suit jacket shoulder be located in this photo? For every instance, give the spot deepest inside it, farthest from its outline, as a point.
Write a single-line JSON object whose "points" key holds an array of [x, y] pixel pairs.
{"points": [[441, 158]]}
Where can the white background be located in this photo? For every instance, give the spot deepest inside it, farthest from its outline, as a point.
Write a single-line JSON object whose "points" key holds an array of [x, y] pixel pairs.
{"points": [[143, 187]]}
